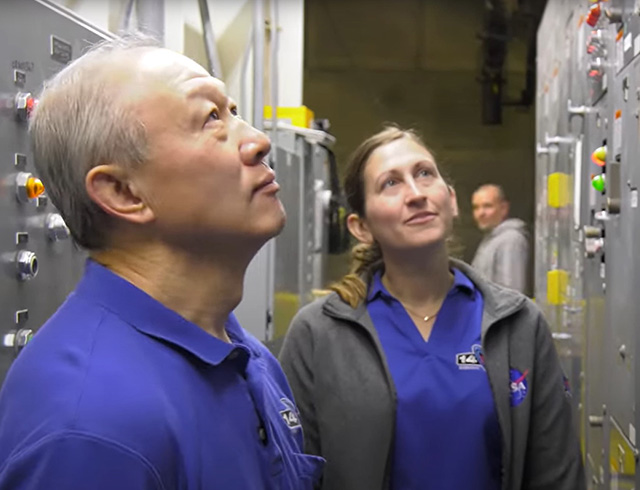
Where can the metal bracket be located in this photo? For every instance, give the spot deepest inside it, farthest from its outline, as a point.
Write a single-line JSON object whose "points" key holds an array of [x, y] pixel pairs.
{"points": [[582, 110], [558, 140]]}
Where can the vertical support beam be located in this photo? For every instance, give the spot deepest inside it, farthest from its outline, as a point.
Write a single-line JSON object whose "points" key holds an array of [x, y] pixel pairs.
{"points": [[215, 67], [150, 15], [273, 78], [258, 64]]}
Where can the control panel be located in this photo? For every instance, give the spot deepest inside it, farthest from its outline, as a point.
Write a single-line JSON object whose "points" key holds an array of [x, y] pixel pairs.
{"points": [[40, 262]]}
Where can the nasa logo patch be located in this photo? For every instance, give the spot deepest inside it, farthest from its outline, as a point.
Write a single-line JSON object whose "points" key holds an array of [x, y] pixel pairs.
{"points": [[518, 386]]}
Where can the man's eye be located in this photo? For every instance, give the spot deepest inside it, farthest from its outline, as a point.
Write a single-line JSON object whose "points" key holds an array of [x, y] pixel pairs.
{"points": [[214, 115], [424, 172], [234, 111]]}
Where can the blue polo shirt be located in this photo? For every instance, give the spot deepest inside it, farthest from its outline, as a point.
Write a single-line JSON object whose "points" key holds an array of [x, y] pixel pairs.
{"points": [[118, 392], [447, 433]]}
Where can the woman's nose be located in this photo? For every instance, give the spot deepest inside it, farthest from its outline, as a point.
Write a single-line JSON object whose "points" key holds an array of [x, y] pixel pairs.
{"points": [[414, 193]]}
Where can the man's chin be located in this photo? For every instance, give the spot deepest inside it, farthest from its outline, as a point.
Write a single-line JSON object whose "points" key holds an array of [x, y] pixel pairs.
{"points": [[274, 226]]}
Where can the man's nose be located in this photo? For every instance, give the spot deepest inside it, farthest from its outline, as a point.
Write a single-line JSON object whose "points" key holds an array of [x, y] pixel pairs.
{"points": [[254, 146]]}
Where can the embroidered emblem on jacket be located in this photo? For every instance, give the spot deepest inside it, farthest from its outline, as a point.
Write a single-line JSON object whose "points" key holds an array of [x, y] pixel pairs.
{"points": [[518, 386], [567, 386]]}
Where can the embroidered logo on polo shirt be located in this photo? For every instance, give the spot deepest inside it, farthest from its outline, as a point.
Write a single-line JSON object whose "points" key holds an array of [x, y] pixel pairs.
{"points": [[290, 414], [518, 386], [471, 360]]}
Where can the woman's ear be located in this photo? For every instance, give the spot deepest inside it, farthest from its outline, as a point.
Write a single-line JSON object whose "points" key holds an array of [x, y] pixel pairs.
{"points": [[359, 229], [454, 201]]}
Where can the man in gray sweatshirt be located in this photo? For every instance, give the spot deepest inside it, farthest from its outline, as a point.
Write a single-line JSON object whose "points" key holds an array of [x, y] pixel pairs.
{"points": [[503, 253]]}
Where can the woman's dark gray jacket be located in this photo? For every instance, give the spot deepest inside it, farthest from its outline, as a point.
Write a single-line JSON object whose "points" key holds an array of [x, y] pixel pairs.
{"points": [[341, 382]]}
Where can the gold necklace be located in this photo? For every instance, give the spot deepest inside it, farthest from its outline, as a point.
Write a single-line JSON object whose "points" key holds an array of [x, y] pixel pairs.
{"points": [[426, 318]]}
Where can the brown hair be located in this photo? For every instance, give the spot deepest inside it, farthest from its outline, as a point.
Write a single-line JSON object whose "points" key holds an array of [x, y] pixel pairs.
{"points": [[366, 260]]}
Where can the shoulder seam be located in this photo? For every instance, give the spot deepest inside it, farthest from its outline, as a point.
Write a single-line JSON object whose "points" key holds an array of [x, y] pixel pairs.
{"points": [[103, 314]]}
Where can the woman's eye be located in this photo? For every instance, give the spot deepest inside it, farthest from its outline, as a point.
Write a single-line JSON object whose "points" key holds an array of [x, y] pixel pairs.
{"points": [[234, 111], [214, 115], [388, 183]]}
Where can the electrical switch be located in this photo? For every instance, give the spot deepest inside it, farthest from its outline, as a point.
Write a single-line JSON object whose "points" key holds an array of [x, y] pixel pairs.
{"points": [[28, 187], [598, 182], [24, 105], [595, 73], [56, 227], [26, 265], [594, 14], [17, 339], [599, 156], [595, 43], [593, 246]]}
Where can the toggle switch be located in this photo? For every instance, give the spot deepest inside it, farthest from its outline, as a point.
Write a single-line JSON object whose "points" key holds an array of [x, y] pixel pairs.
{"points": [[599, 156], [24, 105], [28, 187], [18, 339], [594, 15], [56, 227], [595, 73], [595, 43], [593, 246], [598, 182]]}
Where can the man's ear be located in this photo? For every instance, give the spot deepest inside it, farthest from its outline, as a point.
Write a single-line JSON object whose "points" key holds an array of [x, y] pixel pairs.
{"points": [[111, 188], [454, 201], [359, 229], [505, 209]]}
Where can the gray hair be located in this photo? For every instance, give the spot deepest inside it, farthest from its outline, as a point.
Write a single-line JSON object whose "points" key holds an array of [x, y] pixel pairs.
{"points": [[79, 123], [501, 195]]}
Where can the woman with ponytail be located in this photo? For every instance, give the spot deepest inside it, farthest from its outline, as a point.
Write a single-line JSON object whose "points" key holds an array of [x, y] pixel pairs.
{"points": [[416, 373]]}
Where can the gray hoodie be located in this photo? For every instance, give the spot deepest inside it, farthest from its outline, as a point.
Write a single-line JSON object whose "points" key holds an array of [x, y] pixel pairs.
{"points": [[503, 255], [338, 372]]}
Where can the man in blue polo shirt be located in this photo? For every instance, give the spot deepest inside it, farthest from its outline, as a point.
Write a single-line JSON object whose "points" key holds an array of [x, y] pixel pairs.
{"points": [[143, 379]]}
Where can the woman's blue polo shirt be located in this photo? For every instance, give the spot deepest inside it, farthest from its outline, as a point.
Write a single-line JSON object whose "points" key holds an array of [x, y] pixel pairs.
{"points": [[447, 434]]}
